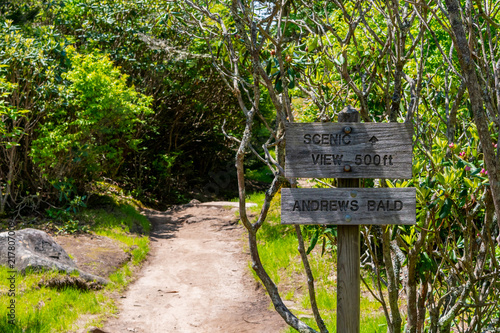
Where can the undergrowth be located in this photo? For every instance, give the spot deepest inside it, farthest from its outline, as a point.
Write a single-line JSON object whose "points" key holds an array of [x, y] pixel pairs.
{"points": [[40, 309], [278, 251]]}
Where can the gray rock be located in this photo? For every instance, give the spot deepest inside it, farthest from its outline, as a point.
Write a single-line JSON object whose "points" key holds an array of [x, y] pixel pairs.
{"points": [[35, 249], [192, 203]]}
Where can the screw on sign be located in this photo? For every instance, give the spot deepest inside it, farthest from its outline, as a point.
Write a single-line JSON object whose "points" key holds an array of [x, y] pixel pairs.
{"points": [[348, 150]]}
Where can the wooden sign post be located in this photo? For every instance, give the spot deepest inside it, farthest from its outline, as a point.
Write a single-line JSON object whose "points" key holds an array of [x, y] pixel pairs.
{"points": [[348, 259], [348, 150]]}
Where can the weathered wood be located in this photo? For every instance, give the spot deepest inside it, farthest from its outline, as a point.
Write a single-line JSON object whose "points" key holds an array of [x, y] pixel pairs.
{"points": [[349, 150], [343, 206], [348, 279], [348, 256], [348, 115]]}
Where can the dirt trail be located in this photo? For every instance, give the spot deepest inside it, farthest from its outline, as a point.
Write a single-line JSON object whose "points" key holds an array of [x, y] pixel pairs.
{"points": [[196, 279]]}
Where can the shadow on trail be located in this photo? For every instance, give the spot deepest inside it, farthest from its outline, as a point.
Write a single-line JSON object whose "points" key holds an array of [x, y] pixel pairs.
{"points": [[227, 225], [164, 226]]}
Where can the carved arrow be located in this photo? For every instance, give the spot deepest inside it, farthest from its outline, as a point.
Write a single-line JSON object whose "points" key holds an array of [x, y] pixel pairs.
{"points": [[373, 140]]}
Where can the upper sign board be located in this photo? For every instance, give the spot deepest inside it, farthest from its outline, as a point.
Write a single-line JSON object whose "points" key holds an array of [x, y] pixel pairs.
{"points": [[349, 150]]}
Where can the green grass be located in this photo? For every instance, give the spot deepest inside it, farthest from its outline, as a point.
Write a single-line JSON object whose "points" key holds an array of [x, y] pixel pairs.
{"points": [[119, 215], [278, 250], [262, 175], [119, 224], [41, 309]]}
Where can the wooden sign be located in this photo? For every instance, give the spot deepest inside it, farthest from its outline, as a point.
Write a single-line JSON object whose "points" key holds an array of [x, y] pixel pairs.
{"points": [[348, 206], [349, 150]]}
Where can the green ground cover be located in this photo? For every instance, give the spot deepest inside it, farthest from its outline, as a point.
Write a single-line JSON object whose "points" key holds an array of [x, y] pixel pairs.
{"points": [[42, 309]]}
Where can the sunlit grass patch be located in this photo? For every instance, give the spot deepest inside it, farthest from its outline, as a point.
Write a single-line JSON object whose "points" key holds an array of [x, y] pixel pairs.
{"points": [[42, 309], [122, 216]]}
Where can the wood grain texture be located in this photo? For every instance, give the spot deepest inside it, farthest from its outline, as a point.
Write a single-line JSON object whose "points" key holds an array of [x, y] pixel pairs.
{"points": [[348, 279], [372, 150], [348, 115], [345, 206], [348, 256]]}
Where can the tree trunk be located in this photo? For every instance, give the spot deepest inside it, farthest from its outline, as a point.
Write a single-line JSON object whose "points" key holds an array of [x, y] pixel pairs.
{"points": [[411, 326], [394, 326], [471, 81]]}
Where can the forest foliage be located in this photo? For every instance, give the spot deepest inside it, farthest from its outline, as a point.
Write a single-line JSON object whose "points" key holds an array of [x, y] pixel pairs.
{"points": [[94, 90], [153, 95]]}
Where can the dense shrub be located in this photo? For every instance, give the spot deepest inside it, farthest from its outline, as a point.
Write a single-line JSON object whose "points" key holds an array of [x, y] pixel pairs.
{"points": [[90, 132], [31, 65]]}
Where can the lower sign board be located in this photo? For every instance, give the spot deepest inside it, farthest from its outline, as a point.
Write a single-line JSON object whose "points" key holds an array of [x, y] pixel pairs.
{"points": [[348, 206]]}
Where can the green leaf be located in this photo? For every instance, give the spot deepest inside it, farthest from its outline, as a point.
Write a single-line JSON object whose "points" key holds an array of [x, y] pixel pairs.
{"points": [[475, 171], [314, 240], [332, 229], [469, 182], [278, 85], [312, 44], [446, 208], [328, 64]]}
